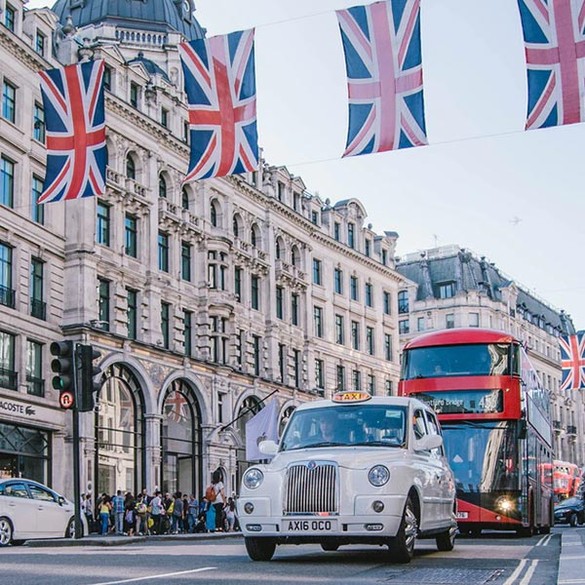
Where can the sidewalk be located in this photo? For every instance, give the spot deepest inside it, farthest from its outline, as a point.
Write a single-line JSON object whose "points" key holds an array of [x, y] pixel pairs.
{"points": [[118, 540], [571, 561]]}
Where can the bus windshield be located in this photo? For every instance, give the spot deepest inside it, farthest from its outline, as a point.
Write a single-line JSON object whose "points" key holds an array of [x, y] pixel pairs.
{"points": [[483, 457], [482, 359]]}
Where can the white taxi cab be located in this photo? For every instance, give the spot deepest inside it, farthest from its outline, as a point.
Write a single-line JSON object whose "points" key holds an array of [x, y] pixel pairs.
{"points": [[356, 469]]}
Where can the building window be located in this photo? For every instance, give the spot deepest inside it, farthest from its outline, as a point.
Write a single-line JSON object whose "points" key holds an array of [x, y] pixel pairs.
{"points": [[9, 18], [186, 131], [351, 235], [318, 319], [37, 211], [446, 290], [9, 101], [403, 302], [188, 332], [282, 362], [338, 280], [388, 347], [216, 270], [236, 228], [108, 78], [219, 353], [388, 387], [163, 252], [186, 261], [164, 117], [404, 326], [353, 288], [387, 302], [370, 340], [450, 321], [7, 294], [165, 324], [384, 257], [319, 374], [337, 231], [132, 313], [371, 384], [297, 202], [239, 346], [103, 224], [368, 249], [104, 303], [34, 368], [39, 126], [40, 43], [339, 333], [355, 335], [6, 182], [184, 200], [317, 271], [8, 376], [257, 353], [356, 380], [134, 90], [162, 187], [38, 307], [279, 302], [420, 324], [315, 217], [255, 292], [213, 214], [131, 235], [369, 295], [130, 168], [280, 191], [340, 378], [474, 319], [294, 308], [238, 283]]}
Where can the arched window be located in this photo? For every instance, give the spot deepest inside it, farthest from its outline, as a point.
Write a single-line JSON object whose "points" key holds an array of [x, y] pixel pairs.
{"points": [[214, 213], [162, 187], [119, 433], [130, 168], [279, 249], [236, 226], [184, 199], [181, 441], [255, 236], [295, 256]]}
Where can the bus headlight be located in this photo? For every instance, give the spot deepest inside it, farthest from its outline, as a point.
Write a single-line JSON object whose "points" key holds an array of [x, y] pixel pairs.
{"points": [[505, 504], [253, 478], [378, 475]]}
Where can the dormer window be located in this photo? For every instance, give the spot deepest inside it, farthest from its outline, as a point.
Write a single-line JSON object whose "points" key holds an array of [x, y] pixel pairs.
{"points": [[446, 290], [40, 43], [10, 18]]}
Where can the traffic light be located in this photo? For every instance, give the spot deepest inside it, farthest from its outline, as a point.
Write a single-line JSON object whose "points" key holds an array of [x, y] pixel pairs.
{"points": [[63, 365], [89, 385]]}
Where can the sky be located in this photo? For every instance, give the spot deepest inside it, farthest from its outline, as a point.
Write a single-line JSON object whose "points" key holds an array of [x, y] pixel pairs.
{"points": [[483, 183]]}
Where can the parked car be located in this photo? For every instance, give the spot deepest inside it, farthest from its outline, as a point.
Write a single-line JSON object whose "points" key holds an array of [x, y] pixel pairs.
{"points": [[31, 510], [356, 469], [570, 511]]}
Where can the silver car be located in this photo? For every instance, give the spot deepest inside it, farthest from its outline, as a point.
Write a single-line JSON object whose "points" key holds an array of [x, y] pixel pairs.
{"points": [[30, 510], [356, 469]]}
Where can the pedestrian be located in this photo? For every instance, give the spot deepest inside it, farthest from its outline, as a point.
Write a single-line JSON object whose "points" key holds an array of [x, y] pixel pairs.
{"points": [[210, 518], [87, 510], [230, 514], [156, 509], [129, 514], [118, 509], [214, 493], [105, 508], [140, 511], [177, 515], [192, 513]]}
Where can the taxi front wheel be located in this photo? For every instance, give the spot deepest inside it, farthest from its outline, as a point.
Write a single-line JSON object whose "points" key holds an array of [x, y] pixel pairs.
{"points": [[260, 549], [402, 545]]}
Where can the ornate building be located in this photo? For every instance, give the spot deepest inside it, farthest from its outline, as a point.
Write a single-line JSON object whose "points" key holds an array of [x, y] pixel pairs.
{"points": [[202, 299], [450, 287]]}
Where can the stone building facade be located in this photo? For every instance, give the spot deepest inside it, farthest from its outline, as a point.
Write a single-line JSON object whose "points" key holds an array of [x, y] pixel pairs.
{"points": [[204, 299], [450, 287]]}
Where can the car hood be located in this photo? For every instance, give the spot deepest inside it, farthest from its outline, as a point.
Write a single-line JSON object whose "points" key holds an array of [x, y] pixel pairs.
{"points": [[350, 457]]}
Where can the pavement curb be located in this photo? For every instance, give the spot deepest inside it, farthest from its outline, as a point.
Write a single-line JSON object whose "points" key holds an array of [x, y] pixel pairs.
{"points": [[571, 559]]}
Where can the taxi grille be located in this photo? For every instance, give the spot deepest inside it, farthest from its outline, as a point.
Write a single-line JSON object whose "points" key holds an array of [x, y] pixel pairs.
{"points": [[311, 490]]}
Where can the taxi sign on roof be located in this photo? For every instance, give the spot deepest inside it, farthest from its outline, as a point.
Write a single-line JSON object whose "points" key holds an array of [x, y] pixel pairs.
{"points": [[347, 397]]}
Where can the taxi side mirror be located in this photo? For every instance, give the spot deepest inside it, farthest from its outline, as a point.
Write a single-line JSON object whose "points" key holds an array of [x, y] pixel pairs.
{"points": [[269, 448], [428, 443]]}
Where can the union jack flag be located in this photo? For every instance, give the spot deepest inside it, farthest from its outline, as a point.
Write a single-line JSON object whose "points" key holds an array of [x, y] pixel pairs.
{"points": [[554, 43], [176, 406], [220, 82], [573, 361], [73, 99], [383, 61]]}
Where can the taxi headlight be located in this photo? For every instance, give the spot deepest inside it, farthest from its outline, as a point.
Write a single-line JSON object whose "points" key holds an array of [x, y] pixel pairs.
{"points": [[253, 478], [378, 475]]}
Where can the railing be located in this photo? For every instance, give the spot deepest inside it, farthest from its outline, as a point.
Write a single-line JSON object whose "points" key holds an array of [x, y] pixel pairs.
{"points": [[7, 296], [36, 386], [8, 379], [556, 425], [38, 309], [571, 430]]}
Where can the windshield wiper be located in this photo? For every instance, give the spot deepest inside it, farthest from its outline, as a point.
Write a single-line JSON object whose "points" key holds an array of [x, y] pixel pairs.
{"points": [[327, 444], [378, 444]]}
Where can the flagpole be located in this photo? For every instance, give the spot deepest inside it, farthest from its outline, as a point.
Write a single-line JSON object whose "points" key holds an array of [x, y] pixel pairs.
{"points": [[247, 411]]}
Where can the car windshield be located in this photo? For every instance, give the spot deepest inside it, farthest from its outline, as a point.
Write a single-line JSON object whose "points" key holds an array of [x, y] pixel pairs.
{"points": [[340, 426]]}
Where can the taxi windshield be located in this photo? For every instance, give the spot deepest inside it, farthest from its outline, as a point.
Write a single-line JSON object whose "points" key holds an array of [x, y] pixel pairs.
{"points": [[341, 426]]}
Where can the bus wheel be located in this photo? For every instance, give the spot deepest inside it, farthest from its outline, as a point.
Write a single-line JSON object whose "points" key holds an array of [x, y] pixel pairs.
{"points": [[402, 545], [525, 531], [545, 530]]}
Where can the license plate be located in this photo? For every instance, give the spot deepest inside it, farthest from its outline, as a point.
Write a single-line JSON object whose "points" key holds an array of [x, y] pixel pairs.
{"points": [[316, 525], [462, 515]]}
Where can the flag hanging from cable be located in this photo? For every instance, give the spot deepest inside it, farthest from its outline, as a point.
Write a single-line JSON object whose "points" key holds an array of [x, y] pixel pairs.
{"points": [[73, 100], [261, 427], [554, 43], [572, 361], [220, 82], [383, 61]]}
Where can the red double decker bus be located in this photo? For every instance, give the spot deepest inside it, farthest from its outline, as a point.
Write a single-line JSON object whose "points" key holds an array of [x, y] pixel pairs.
{"points": [[496, 423]]}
